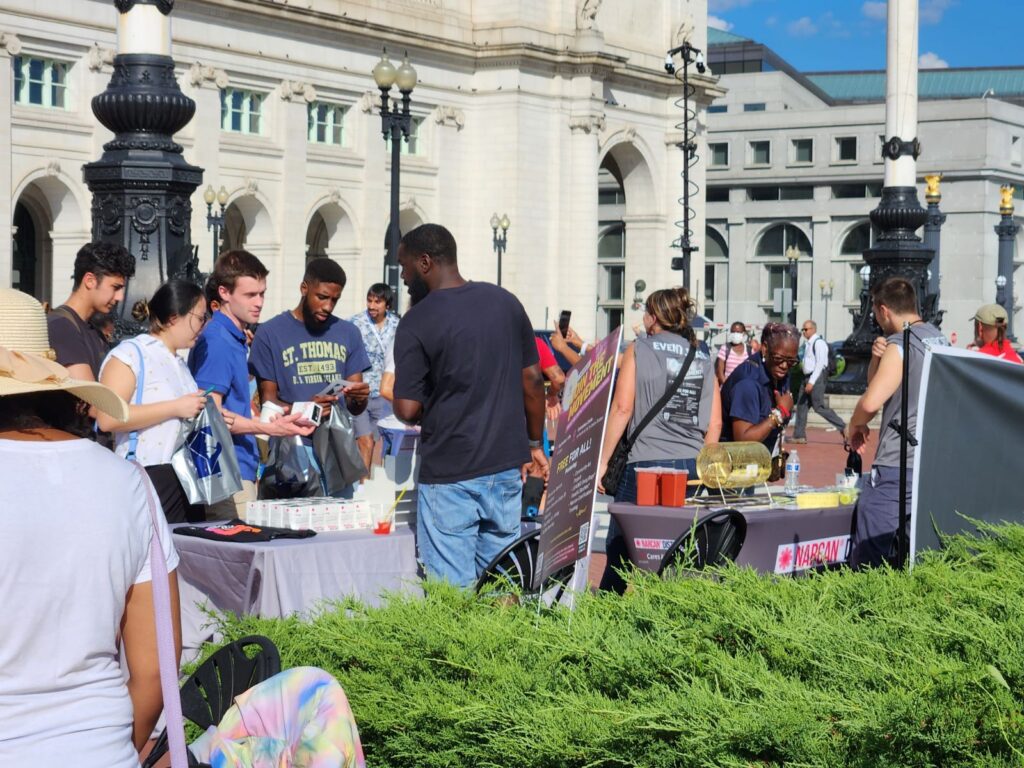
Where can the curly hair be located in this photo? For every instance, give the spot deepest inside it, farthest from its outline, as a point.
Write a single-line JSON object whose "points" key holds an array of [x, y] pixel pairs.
{"points": [[102, 260], [775, 334]]}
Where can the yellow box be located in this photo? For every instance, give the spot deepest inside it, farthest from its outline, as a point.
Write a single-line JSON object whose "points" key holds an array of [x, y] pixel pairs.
{"points": [[817, 500]]}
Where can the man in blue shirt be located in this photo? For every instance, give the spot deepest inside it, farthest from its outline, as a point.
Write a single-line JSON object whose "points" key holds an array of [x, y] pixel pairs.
{"points": [[219, 363], [298, 353]]}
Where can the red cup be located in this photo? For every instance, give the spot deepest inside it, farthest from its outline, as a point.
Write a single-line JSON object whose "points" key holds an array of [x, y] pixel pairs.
{"points": [[647, 487], [673, 487], [383, 527]]}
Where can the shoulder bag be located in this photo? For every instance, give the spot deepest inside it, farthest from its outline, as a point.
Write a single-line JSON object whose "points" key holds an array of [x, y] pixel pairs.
{"points": [[617, 461]]}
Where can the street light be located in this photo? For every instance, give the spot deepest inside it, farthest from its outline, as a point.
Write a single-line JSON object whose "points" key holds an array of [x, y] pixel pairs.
{"points": [[500, 242], [826, 289], [1001, 291], [396, 124], [793, 256], [215, 221]]}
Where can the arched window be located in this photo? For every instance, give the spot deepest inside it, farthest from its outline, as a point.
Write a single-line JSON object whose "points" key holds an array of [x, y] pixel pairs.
{"points": [[776, 241], [857, 240], [715, 246]]}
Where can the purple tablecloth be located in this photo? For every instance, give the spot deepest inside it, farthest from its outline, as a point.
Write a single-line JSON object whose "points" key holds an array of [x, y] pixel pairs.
{"points": [[779, 540], [287, 576]]}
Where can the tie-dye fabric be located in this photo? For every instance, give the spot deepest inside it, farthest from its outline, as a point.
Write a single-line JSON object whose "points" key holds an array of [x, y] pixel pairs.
{"points": [[299, 718]]}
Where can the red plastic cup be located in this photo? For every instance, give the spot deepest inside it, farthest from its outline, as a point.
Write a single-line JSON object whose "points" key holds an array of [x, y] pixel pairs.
{"points": [[383, 527], [647, 487], [673, 487]]}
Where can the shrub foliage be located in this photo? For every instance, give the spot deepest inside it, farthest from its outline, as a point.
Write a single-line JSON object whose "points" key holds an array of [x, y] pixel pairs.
{"points": [[837, 669]]}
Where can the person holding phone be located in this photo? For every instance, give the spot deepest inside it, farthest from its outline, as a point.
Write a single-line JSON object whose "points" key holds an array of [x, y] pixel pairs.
{"points": [[301, 351], [176, 315]]}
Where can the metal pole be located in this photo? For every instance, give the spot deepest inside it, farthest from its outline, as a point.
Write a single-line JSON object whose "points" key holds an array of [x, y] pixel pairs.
{"points": [[499, 266], [901, 535], [391, 268]]}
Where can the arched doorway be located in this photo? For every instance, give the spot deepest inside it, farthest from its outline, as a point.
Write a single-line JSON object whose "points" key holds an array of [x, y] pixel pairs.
{"points": [[48, 230], [408, 220], [31, 251], [776, 245], [233, 234], [716, 275], [317, 238], [628, 235]]}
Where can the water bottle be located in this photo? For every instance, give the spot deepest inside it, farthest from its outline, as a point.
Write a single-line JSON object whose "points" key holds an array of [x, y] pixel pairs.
{"points": [[793, 473]]}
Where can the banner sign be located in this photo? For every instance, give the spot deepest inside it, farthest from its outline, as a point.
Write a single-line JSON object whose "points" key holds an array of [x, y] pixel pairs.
{"points": [[970, 429], [572, 486], [792, 558]]}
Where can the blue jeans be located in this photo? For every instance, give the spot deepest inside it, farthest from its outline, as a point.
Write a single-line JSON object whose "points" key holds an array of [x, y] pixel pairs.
{"points": [[461, 527], [615, 545]]}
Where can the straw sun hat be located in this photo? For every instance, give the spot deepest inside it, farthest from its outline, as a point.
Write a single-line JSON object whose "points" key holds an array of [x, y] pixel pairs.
{"points": [[28, 364]]}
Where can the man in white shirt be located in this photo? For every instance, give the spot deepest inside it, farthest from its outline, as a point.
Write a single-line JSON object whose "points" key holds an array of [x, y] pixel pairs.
{"points": [[812, 395]]}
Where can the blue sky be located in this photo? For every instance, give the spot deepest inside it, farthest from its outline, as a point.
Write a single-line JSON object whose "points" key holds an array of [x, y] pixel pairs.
{"points": [[850, 34]]}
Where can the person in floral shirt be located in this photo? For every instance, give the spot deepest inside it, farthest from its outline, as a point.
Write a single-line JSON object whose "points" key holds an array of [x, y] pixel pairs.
{"points": [[377, 325]]}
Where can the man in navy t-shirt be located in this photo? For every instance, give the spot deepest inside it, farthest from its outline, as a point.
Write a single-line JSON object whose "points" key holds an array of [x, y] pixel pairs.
{"points": [[299, 352], [466, 369], [218, 363]]}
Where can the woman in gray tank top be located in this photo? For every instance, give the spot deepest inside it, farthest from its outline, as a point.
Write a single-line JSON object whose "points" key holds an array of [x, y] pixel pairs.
{"points": [[691, 418]]}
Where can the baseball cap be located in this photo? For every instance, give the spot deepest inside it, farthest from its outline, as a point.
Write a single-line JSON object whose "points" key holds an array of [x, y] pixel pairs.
{"points": [[991, 314]]}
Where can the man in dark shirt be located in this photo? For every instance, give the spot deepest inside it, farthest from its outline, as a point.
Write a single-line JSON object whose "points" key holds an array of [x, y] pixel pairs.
{"points": [[101, 272], [466, 369]]}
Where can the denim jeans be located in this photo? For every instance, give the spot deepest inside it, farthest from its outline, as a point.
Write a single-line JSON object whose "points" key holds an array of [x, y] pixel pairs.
{"points": [[615, 545], [461, 527]]}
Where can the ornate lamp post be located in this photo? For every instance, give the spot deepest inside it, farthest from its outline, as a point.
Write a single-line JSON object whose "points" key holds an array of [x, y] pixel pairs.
{"points": [[215, 221], [396, 124], [689, 55], [142, 185], [1007, 230], [826, 289], [793, 257], [500, 242], [1001, 291], [932, 241], [898, 250]]}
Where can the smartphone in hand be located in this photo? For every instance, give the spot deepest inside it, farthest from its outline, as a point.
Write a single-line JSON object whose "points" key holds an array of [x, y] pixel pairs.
{"points": [[563, 322]]}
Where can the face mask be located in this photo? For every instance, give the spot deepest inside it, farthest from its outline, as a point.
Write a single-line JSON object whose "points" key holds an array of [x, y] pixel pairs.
{"points": [[737, 338]]}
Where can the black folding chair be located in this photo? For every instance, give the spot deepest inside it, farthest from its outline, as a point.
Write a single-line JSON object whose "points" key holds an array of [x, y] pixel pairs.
{"points": [[715, 539], [512, 571], [212, 688]]}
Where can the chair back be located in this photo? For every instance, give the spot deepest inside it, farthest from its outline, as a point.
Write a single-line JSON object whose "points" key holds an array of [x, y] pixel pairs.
{"points": [[714, 540], [211, 690]]}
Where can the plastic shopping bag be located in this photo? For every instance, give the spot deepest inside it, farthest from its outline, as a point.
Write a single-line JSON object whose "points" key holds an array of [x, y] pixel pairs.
{"points": [[205, 462], [334, 443], [290, 472]]}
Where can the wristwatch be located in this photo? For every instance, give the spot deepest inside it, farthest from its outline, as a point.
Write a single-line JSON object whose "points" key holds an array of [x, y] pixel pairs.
{"points": [[536, 444]]}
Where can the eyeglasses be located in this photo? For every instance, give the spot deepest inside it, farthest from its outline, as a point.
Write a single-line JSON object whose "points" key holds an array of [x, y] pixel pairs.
{"points": [[789, 362], [203, 318], [805, 330]]}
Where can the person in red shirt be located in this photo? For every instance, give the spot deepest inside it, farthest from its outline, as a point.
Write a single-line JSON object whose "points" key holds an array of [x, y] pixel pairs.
{"points": [[990, 333], [553, 377]]}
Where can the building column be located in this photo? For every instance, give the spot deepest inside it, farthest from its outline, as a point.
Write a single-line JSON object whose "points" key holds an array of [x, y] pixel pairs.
{"points": [[644, 241], [578, 272], [203, 84], [821, 269], [10, 46], [295, 214]]}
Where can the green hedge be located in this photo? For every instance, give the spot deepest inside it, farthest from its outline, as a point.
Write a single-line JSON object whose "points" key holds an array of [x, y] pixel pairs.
{"points": [[840, 669]]}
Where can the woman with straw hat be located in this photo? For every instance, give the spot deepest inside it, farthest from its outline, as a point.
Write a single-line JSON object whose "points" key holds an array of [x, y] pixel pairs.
{"points": [[75, 580]]}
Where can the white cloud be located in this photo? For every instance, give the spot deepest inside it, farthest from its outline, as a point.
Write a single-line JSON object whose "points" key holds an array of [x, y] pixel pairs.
{"points": [[802, 27], [929, 60], [875, 10], [716, 23], [932, 10]]}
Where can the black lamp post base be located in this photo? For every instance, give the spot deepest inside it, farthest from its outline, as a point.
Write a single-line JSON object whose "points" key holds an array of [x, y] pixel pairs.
{"points": [[898, 252]]}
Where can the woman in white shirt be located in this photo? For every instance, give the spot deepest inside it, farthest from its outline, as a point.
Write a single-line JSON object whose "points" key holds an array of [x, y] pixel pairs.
{"points": [[75, 581], [176, 314]]}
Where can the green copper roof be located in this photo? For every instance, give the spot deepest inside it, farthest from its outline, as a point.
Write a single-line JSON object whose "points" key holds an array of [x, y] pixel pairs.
{"points": [[932, 83], [721, 37]]}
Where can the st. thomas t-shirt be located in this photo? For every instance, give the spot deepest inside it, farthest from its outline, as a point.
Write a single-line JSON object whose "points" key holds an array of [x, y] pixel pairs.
{"points": [[302, 363], [461, 353]]}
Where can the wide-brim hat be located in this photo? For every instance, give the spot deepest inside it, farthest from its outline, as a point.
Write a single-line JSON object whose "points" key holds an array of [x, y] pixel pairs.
{"points": [[28, 364]]}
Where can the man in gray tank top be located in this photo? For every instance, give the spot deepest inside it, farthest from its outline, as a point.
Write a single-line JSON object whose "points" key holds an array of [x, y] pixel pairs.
{"points": [[877, 516]]}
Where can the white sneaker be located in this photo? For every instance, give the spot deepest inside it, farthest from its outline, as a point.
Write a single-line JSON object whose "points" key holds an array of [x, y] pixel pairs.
{"points": [[830, 428]]}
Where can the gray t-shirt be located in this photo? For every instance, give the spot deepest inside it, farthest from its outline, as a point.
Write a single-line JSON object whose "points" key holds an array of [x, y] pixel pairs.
{"points": [[922, 337], [678, 431]]}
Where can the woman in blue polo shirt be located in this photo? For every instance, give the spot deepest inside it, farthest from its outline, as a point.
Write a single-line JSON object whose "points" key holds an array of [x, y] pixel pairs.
{"points": [[756, 403]]}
